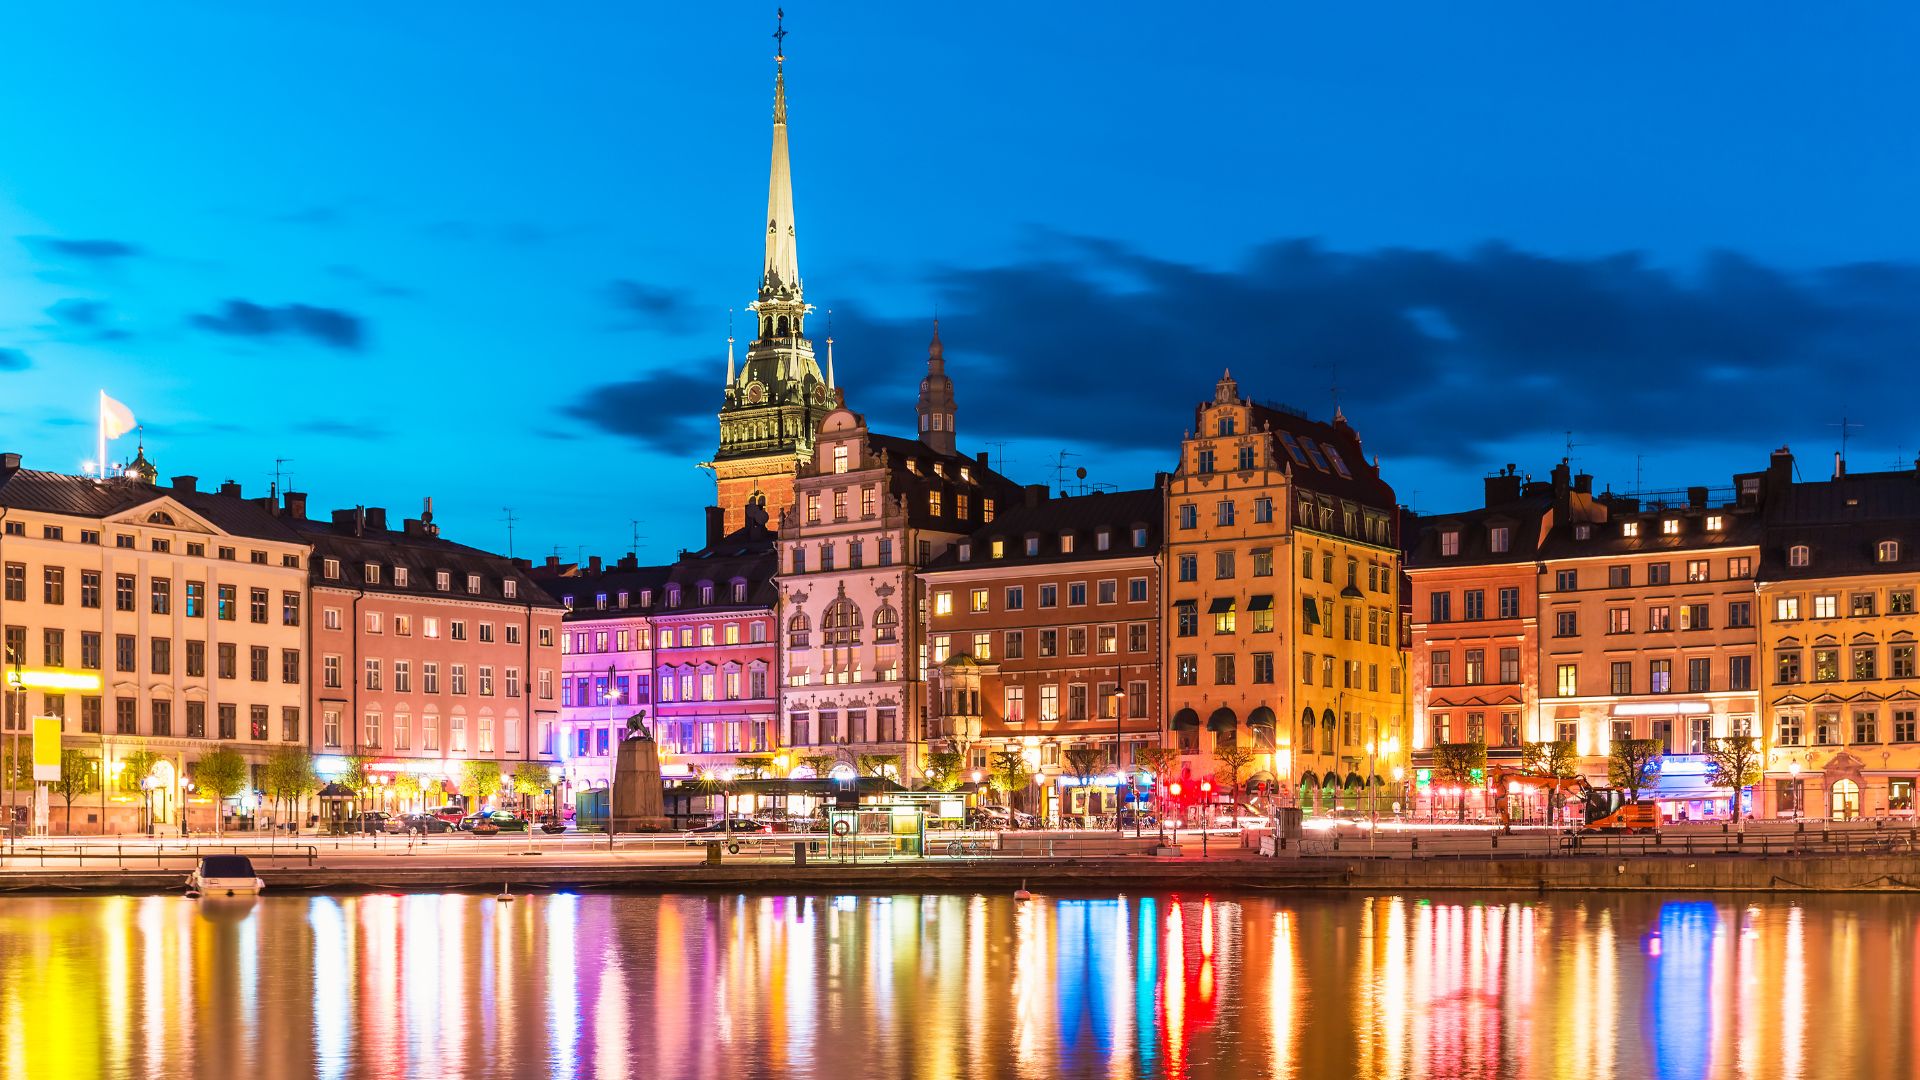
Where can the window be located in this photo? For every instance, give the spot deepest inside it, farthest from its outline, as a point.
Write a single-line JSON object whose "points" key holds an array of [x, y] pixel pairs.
{"points": [[1223, 512], [1509, 665], [1670, 526], [1474, 604], [1739, 672], [1860, 604], [1566, 623], [1108, 591], [1566, 580], [1621, 681], [1740, 613], [1619, 577], [1887, 551], [1439, 666], [1049, 596], [1510, 603], [1786, 608], [1189, 517], [1826, 606], [1567, 680], [1077, 594], [1799, 555], [1450, 542], [1866, 727], [1189, 567], [1694, 617], [1660, 618], [1223, 669], [1137, 590], [1740, 567], [1475, 666], [1900, 662], [1826, 665], [1697, 570], [1222, 565], [1904, 731], [1699, 675], [1441, 605], [1864, 661], [1659, 573], [1629, 528], [1786, 666], [1619, 620], [1049, 643]]}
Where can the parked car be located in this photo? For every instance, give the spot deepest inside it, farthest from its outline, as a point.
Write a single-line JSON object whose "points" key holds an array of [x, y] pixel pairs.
{"points": [[372, 821], [452, 815], [419, 823], [738, 825], [490, 822], [989, 817]]}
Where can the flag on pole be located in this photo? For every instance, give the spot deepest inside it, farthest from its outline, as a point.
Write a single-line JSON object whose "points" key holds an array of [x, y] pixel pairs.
{"points": [[115, 419]]}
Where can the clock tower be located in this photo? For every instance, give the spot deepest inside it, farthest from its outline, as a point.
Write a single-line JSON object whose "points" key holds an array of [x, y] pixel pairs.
{"points": [[774, 401]]}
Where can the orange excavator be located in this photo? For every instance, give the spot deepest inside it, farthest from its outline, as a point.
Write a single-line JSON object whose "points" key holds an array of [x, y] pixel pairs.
{"points": [[1557, 791]]}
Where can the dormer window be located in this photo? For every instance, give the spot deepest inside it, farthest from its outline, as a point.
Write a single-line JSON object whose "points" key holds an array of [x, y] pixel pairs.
{"points": [[1799, 555], [1629, 528], [1033, 546], [511, 588], [373, 573], [567, 602], [1888, 551], [1226, 425], [442, 580], [1499, 538], [331, 568], [1670, 526], [965, 551], [1583, 531], [400, 576], [1450, 542], [1066, 543], [998, 548], [673, 596], [1139, 536], [473, 584], [840, 458], [1715, 523], [739, 592], [623, 598], [600, 602], [1103, 539], [966, 473], [646, 597]]}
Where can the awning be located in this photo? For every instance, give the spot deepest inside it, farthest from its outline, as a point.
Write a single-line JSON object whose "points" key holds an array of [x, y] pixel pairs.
{"points": [[1221, 605], [1309, 611], [1261, 717], [1222, 719], [1260, 603], [1185, 718], [1186, 603]]}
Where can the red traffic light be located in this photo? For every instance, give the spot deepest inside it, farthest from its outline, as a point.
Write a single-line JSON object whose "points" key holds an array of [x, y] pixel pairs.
{"points": [[1173, 789], [1206, 787]]}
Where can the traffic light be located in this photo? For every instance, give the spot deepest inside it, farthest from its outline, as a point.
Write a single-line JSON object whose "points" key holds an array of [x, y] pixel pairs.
{"points": [[1173, 789], [1206, 789]]}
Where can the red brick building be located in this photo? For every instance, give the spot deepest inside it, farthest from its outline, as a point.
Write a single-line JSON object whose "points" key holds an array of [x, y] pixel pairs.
{"points": [[1034, 622]]}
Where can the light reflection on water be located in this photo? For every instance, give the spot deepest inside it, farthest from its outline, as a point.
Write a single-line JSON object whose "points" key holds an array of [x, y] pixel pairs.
{"points": [[957, 985]]}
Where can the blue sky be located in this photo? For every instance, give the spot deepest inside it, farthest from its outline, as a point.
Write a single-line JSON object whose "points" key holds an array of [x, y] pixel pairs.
{"points": [[486, 253]]}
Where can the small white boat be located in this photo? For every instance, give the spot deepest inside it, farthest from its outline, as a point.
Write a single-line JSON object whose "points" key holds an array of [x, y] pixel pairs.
{"points": [[224, 875]]}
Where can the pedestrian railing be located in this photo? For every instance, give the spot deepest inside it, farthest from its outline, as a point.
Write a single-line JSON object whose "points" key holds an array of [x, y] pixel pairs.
{"points": [[120, 855]]}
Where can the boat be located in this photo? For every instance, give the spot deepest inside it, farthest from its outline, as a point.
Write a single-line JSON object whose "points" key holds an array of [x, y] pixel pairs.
{"points": [[224, 875]]}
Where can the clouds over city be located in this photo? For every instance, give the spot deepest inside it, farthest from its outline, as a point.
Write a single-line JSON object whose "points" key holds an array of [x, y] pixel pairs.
{"points": [[244, 318], [1437, 354], [98, 251]]}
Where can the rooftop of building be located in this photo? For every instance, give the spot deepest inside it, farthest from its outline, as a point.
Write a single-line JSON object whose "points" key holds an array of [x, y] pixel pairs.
{"points": [[1050, 521]]}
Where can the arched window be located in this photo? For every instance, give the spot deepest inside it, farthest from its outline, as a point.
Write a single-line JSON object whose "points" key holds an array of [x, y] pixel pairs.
{"points": [[159, 517], [797, 628], [1326, 726], [1889, 551], [783, 326], [886, 624], [1799, 555], [1306, 730], [841, 624]]}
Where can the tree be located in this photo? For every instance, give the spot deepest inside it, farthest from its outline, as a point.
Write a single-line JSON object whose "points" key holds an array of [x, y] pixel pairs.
{"points": [[819, 764], [478, 779], [289, 776], [1231, 760], [883, 765], [1460, 765], [135, 768], [1085, 761], [1736, 765], [1634, 764], [944, 769], [221, 773], [407, 787], [1559, 759], [354, 778], [79, 775], [753, 768], [1010, 773], [529, 780]]}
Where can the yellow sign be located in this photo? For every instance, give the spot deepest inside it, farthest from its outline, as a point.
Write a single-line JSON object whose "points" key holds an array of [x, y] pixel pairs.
{"points": [[46, 749], [51, 679]]}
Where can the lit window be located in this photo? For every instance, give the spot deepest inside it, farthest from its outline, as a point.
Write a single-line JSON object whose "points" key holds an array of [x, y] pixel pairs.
{"points": [[1450, 542], [1670, 526], [1629, 528], [1889, 551], [1715, 523]]}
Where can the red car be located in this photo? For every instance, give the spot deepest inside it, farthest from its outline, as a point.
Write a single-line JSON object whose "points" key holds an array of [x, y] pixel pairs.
{"points": [[449, 814]]}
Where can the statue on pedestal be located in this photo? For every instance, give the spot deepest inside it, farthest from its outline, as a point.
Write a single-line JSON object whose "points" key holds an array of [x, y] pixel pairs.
{"points": [[638, 799]]}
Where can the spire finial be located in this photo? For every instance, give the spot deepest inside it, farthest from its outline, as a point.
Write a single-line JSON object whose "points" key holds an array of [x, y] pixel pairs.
{"points": [[829, 348], [779, 66], [729, 346], [936, 352]]}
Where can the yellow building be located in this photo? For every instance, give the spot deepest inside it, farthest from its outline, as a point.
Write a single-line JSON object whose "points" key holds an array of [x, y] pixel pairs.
{"points": [[1838, 582], [184, 610], [1283, 598]]}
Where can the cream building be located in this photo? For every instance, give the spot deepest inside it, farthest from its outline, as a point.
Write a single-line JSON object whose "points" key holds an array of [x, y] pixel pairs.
{"points": [[187, 607]]}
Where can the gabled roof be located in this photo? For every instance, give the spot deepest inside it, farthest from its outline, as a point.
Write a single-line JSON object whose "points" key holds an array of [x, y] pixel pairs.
{"points": [[1304, 444], [1842, 522], [424, 556]]}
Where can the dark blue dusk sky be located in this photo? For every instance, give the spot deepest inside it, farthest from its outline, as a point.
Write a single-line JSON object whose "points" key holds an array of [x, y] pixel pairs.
{"points": [[485, 251]]}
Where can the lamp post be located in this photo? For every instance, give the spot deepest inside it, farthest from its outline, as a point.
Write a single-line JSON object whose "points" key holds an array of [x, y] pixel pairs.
{"points": [[1799, 796], [1119, 700], [1206, 811]]}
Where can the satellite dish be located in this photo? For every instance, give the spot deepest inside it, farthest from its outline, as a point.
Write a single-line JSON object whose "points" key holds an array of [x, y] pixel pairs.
{"points": [[1081, 472]]}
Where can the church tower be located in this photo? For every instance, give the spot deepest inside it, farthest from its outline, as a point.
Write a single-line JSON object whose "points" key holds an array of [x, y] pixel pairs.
{"points": [[936, 398], [773, 403]]}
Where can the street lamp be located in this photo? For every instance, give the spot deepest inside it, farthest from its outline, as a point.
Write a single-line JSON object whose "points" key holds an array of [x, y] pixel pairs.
{"points": [[1119, 700], [1206, 813], [1799, 797]]}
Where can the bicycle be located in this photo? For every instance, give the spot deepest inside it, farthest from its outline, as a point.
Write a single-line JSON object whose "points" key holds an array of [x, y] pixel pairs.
{"points": [[968, 846]]}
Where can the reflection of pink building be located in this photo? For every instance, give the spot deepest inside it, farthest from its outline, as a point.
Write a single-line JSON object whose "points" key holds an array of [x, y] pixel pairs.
{"points": [[426, 654], [714, 654]]}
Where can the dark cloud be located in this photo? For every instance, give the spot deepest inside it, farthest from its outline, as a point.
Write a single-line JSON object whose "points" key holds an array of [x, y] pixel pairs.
{"points": [[86, 319], [651, 307], [349, 429], [98, 251], [669, 411], [244, 318], [1438, 355], [14, 360]]}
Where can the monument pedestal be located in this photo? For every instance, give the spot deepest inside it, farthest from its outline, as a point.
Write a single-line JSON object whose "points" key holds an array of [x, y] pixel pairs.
{"points": [[639, 800]]}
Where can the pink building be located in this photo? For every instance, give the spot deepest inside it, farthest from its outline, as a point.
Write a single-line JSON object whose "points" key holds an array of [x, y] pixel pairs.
{"points": [[426, 655]]}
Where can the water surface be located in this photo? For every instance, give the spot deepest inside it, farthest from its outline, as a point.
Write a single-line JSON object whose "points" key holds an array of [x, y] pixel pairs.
{"points": [[1280, 984]]}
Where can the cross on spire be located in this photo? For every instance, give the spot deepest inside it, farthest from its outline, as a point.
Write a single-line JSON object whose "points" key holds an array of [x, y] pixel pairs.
{"points": [[779, 35]]}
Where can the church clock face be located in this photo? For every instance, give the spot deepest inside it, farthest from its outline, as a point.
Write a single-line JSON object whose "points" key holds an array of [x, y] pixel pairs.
{"points": [[756, 393]]}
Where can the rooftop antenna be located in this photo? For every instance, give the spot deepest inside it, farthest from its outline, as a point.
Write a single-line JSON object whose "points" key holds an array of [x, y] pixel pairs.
{"points": [[1846, 426], [508, 510], [1002, 448], [1060, 471], [1332, 368], [1570, 445], [1639, 460], [636, 534], [279, 471]]}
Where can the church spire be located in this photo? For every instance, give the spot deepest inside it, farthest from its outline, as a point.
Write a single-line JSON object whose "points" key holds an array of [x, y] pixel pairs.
{"points": [[729, 346], [781, 278], [936, 398]]}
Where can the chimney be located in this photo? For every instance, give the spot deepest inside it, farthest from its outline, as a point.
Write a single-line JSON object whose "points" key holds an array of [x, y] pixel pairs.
{"points": [[376, 518], [1503, 487], [1036, 494], [716, 526], [297, 505], [9, 462], [344, 521], [981, 457], [231, 487], [1839, 466], [553, 562], [186, 484], [1583, 483], [1697, 497], [629, 561], [593, 564], [1562, 480], [1780, 470]]}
